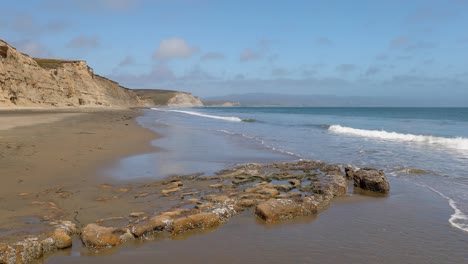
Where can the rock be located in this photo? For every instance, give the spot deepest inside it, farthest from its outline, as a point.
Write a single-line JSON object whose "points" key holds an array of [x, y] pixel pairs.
{"points": [[137, 214], [96, 236], [217, 198], [337, 185], [247, 202], [175, 185], [62, 238], [201, 220], [316, 203], [274, 210], [284, 187], [48, 244], [22, 252], [293, 195], [264, 188], [216, 186], [332, 169], [372, 180], [295, 182], [349, 171], [176, 212], [204, 206], [157, 223], [169, 191]]}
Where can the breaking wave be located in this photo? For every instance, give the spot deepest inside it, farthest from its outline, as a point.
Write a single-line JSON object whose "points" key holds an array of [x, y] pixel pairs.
{"points": [[226, 118], [454, 143]]}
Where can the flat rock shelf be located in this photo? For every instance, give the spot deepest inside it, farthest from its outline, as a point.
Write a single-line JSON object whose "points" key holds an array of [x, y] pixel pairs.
{"points": [[274, 192]]}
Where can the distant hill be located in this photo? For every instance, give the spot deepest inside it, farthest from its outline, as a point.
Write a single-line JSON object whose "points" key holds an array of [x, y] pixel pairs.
{"points": [[271, 99]]}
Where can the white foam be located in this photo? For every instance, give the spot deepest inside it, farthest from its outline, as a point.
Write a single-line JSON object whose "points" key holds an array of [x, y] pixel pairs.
{"points": [[226, 118], [458, 219], [455, 143]]}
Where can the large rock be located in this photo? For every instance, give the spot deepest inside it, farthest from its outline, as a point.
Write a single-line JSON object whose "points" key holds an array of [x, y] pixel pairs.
{"points": [[274, 210], [336, 185], [372, 180], [201, 220], [157, 223], [96, 236]]}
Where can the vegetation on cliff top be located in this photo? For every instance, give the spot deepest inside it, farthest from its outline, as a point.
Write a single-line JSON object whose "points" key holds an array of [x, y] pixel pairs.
{"points": [[159, 97], [52, 63]]}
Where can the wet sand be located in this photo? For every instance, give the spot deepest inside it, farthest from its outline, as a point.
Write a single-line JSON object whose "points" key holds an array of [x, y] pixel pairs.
{"points": [[409, 226], [49, 162]]}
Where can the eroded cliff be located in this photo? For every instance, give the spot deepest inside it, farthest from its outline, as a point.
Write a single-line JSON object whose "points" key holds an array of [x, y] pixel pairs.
{"points": [[28, 82], [169, 98]]}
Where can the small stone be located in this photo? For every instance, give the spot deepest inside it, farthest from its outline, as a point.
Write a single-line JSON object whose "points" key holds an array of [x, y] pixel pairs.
{"points": [[169, 191], [216, 186], [136, 214]]}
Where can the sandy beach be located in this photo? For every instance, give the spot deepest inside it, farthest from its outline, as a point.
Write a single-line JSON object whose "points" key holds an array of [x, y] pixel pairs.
{"points": [[49, 161]]}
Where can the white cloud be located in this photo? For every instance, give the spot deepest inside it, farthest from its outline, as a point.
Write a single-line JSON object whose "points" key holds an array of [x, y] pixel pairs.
{"points": [[128, 60], [213, 56], [174, 48], [84, 42], [33, 48]]}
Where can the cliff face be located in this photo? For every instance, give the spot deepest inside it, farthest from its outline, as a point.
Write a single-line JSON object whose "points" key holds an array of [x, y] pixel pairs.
{"points": [[43, 82], [169, 98], [184, 100]]}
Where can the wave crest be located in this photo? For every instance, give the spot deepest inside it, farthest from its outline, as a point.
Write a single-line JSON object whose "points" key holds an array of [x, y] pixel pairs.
{"points": [[226, 118], [455, 143]]}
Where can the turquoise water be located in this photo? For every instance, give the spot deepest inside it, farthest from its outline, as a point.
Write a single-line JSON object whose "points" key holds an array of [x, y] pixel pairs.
{"points": [[398, 140]]}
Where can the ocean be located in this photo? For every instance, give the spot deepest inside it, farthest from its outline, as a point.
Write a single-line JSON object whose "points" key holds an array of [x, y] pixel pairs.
{"points": [[427, 147]]}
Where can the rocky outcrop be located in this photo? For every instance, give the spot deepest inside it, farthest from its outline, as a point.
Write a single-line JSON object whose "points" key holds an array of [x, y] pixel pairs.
{"points": [[369, 179], [26, 81], [169, 98], [275, 192]]}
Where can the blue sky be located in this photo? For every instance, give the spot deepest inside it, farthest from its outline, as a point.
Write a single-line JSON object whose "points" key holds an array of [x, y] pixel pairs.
{"points": [[208, 47]]}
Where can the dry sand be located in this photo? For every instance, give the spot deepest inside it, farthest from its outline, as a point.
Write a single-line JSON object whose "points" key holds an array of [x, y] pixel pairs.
{"points": [[49, 161]]}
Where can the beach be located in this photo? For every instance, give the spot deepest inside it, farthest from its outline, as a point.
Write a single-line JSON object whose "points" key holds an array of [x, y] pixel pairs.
{"points": [[49, 165], [102, 165]]}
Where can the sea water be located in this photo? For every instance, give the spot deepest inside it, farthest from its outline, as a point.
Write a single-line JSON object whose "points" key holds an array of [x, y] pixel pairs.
{"points": [[427, 147]]}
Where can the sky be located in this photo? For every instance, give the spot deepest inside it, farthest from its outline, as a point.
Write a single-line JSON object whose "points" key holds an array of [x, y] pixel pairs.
{"points": [[416, 48]]}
